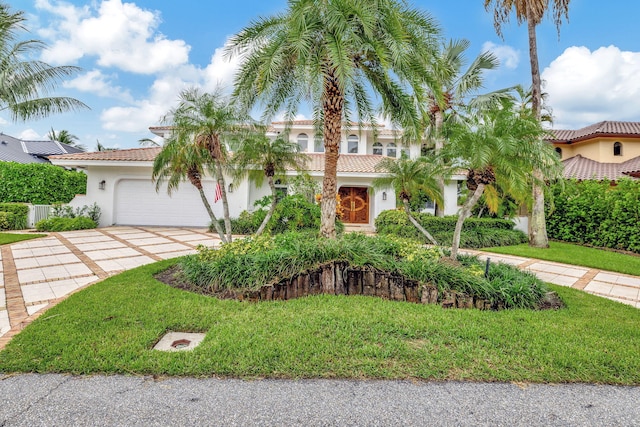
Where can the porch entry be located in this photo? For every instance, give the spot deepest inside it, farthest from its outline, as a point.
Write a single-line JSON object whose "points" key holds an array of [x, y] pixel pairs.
{"points": [[355, 204]]}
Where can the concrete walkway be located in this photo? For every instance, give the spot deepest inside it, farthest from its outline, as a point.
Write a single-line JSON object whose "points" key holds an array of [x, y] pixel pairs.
{"points": [[39, 273]]}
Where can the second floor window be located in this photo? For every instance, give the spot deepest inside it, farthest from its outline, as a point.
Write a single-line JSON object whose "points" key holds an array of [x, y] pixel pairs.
{"points": [[617, 149], [377, 149], [303, 142], [391, 150], [352, 144]]}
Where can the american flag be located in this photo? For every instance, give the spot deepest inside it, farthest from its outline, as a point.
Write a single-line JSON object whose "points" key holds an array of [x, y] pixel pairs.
{"points": [[218, 194]]}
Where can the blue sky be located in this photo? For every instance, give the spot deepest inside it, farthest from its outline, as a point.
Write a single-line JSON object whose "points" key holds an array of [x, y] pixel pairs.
{"points": [[136, 56]]}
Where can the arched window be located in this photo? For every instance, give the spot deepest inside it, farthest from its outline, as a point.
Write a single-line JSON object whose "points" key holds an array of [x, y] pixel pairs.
{"points": [[391, 149], [303, 142], [377, 149], [559, 152], [617, 149], [352, 144]]}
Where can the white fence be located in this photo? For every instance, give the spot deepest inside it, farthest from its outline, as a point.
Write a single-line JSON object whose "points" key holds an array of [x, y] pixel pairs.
{"points": [[38, 212]]}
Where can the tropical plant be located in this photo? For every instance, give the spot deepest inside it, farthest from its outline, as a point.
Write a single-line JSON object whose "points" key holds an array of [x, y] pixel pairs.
{"points": [[25, 84], [531, 12], [211, 122], [273, 157], [409, 177], [499, 151], [179, 159], [100, 147], [148, 142], [452, 88], [65, 137], [336, 55]]}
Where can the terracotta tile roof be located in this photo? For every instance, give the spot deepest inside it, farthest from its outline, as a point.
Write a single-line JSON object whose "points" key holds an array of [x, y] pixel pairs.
{"points": [[146, 154], [363, 163], [604, 128], [579, 167], [311, 123]]}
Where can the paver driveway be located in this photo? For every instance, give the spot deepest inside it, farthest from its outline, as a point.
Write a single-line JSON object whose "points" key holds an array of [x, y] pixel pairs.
{"points": [[35, 274]]}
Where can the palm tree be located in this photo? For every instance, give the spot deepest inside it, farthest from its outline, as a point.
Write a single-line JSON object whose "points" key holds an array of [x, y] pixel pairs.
{"points": [[210, 121], [100, 147], [409, 178], [452, 88], [65, 137], [25, 84], [274, 157], [178, 160], [148, 142], [335, 55], [499, 151], [531, 12]]}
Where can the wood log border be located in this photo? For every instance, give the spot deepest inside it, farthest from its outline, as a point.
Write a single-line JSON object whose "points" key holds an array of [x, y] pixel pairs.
{"points": [[341, 278]]}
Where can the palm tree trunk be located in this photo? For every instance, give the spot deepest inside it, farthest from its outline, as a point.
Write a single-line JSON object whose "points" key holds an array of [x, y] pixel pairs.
{"points": [[465, 213], [214, 220], [225, 202], [537, 222], [332, 105], [416, 224], [439, 145], [272, 209]]}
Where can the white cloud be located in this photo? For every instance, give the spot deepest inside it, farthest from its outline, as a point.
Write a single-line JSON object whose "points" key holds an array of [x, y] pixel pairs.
{"points": [[508, 56], [29, 135], [585, 87], [221, 70], [96, 82], [120, 35]]}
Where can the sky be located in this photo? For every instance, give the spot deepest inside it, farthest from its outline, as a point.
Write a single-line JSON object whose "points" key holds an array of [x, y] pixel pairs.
{"points": [[136, 56]]}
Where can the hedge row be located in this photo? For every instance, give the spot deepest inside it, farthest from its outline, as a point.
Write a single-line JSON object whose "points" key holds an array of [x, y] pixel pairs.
{"points": [[476, 232], [66, 224], [597, 213], [13, 216], [39, 183]]}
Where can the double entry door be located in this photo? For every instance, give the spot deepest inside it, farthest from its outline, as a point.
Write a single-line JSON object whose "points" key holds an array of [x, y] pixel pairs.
{"points": [[355, 204]]}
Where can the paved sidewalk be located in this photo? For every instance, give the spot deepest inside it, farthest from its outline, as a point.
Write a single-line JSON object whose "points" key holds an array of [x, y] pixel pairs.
{"points": [[36, 274], [619, 287]]}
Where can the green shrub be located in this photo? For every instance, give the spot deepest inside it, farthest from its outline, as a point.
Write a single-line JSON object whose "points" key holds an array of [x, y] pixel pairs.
{"points": [[476, 232], [66, 224], [596, 213], [253, 262], [39, 183], [65, 211], [293, 213], [16, 218]]}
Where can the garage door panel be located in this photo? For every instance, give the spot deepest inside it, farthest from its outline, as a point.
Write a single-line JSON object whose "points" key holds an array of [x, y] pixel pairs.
{"points": [[138, 203]]}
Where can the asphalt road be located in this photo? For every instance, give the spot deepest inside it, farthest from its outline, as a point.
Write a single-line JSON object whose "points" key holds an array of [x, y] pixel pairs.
{"points": [[63, 400]]}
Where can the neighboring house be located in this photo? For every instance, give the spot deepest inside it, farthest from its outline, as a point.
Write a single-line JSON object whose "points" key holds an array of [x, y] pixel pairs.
{"points": [[606, 149], [20, 151], [120, 181]]}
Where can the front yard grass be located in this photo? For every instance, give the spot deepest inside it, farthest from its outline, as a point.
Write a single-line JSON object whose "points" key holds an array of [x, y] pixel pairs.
{"points": [[111, 327], [576, 255], [7, 238]]}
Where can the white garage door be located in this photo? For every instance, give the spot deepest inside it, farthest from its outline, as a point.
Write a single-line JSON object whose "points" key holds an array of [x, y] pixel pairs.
{"points": [[138, 203]]}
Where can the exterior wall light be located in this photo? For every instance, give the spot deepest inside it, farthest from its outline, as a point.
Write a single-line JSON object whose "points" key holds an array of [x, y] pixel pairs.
{"points": [[102, 184], [384, 195], [230, 188]]}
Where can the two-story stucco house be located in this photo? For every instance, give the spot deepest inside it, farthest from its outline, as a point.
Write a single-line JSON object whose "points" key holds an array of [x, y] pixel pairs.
{"points": [[120, 181]]}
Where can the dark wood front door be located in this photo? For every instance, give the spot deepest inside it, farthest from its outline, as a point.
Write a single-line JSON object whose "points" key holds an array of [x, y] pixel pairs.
{"points": [[355, 204]]}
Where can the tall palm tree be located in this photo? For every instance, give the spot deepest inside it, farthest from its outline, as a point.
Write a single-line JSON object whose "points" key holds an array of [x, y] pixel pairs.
{"points": [[334, 54], [210, 121], [499, 151], [273, 157], [178, 160], [65, 137], [453, 87], [531, 12], [25, 84], [410, 177]]}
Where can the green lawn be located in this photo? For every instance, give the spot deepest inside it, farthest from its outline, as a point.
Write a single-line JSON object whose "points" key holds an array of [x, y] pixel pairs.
{"points": [[576, 255], [6, 238], [111, 326]]}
